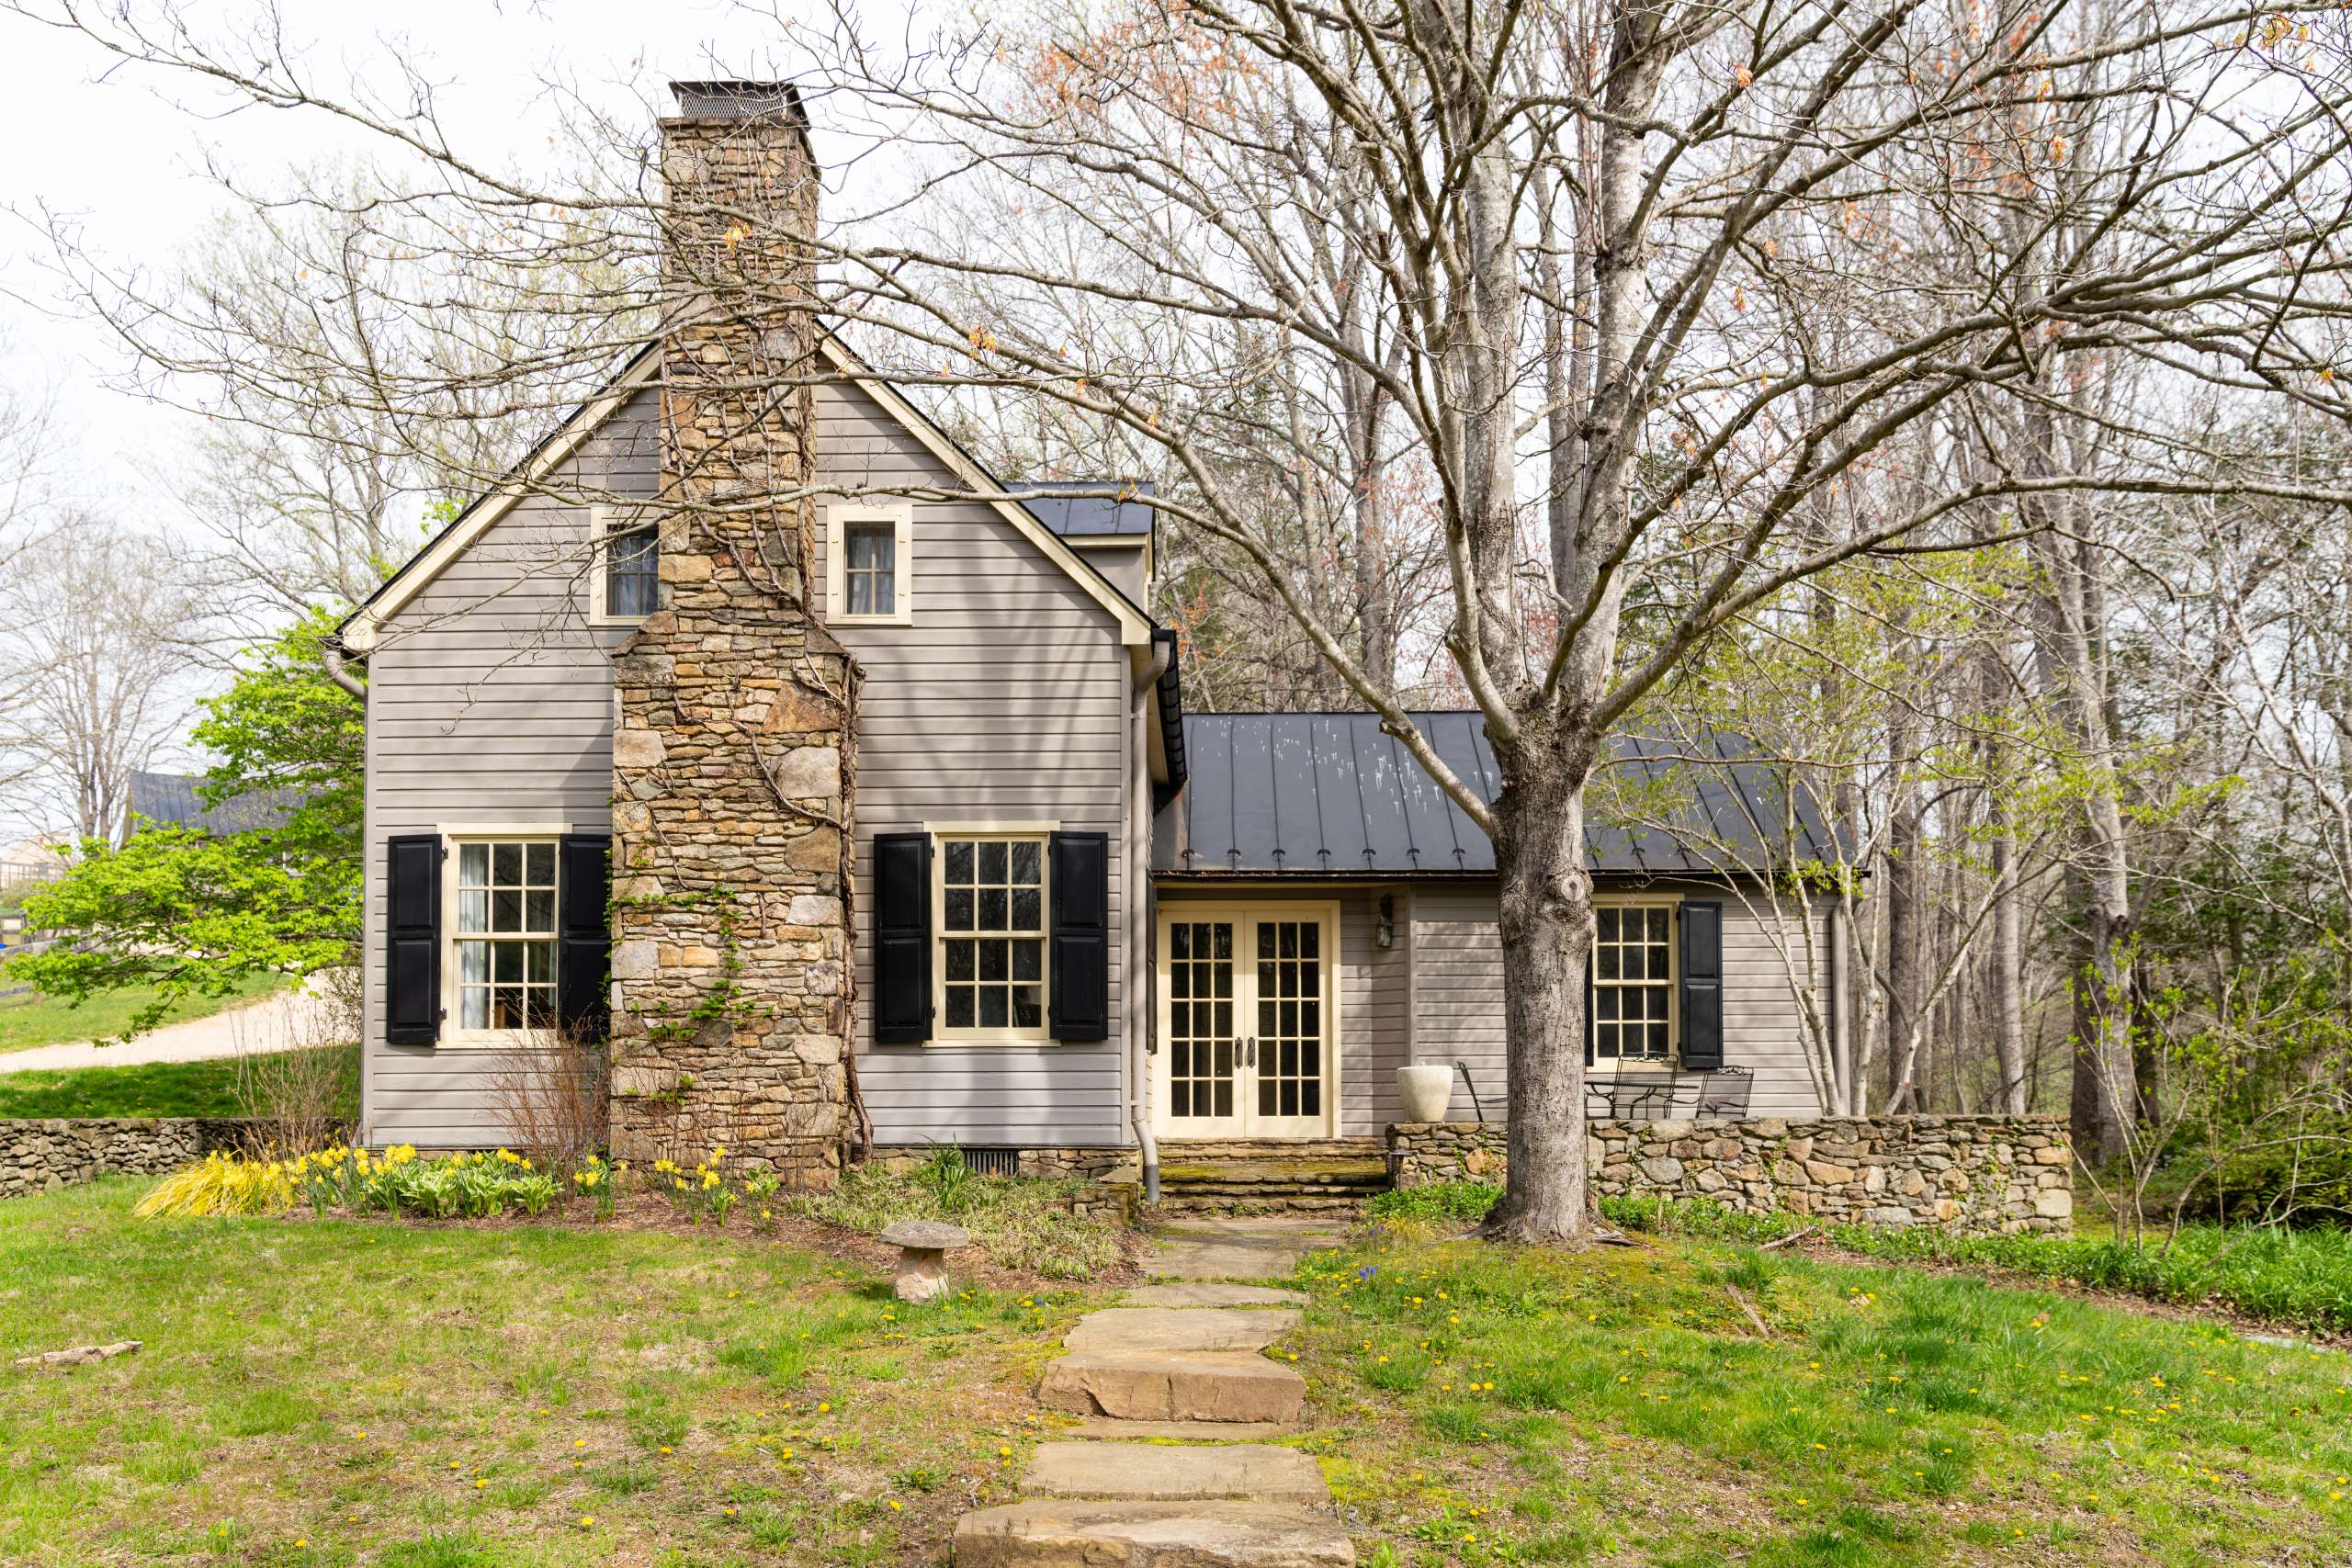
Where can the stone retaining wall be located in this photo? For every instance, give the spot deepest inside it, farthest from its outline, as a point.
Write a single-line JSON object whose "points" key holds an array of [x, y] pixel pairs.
{"points": [[1976, 1175], [41, 1156]]}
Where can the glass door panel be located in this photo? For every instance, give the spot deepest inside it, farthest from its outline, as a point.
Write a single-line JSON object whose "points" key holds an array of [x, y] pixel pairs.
{"points": [[1204, 1091], [1288, 1054]]}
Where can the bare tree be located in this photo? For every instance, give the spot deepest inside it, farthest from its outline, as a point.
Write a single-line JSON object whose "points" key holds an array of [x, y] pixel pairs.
{"points": [[87, 621]]}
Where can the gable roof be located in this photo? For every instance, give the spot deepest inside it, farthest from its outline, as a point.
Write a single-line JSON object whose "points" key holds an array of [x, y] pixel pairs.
{"points": [[361, 629], [169, 800], [1331, 794]]}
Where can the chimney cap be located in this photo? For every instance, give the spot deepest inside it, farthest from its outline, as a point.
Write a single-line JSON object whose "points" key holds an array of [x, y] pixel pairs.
{"points": [[733, 99]]}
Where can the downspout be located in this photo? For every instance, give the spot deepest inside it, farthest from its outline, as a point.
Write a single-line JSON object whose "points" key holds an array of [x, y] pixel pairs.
{"points": [[1144, 1020], [331, 654]]}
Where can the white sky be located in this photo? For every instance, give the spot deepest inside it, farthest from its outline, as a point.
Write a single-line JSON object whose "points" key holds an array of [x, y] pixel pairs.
{"points": [[122, 149]]}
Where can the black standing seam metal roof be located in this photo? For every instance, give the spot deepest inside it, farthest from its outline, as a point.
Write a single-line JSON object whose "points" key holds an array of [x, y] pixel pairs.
{"points": [[169, 800], [1087, 516], [1334, 794]]}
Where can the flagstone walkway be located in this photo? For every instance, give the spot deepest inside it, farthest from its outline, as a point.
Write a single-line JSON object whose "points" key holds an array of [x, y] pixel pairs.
{"points": [[1176, 1362]]}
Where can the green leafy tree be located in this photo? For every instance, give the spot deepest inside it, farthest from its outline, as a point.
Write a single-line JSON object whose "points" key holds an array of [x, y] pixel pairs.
{"points": [[192, 913]]}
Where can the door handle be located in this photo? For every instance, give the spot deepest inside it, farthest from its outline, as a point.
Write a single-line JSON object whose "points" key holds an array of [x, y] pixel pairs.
{"points": [[1253, 1052]]}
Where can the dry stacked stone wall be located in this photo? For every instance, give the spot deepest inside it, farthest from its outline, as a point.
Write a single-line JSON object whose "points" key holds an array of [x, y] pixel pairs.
{"points": [[733, 760], [1973, 1175], [42, 1154]]}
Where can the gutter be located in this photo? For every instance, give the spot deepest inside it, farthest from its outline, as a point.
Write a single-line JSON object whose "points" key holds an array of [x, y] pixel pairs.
{"points": [[1139, 1042]]}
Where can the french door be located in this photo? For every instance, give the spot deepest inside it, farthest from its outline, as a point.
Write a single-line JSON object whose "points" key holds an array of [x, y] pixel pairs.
{"points": [[1247, 1025]]}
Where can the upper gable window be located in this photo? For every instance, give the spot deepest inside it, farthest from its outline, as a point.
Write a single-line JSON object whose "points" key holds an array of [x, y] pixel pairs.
{"points": [[870, 564], [626, 567]]}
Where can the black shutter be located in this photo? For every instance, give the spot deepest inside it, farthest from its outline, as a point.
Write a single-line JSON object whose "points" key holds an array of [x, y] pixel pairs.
{"points": [[412, 939], [902, 939], [1703, 986], [1080, 888], [583, 936], [1587, 1005]]}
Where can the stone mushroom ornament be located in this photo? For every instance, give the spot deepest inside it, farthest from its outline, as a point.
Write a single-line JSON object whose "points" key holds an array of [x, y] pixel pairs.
{"points": [[923, 1246]]}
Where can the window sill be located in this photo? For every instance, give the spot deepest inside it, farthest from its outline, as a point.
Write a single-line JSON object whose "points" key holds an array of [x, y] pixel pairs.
{"points": [[500, 1040], [846, 620], [988, 1042]]}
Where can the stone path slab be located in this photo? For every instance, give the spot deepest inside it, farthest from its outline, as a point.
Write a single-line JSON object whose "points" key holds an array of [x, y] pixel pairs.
{"points": [[1202, 1258], [1243, 1472], [1095, 1534], [1181, 1328], [1110, 1429], [1204, 1386], [1209, 1294]]}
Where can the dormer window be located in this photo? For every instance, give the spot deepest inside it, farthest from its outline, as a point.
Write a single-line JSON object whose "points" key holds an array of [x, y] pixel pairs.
{"points": [[628, 567], [869, 565]]}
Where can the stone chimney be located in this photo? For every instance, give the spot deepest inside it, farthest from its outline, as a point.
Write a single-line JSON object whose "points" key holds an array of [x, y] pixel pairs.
{"points": [[733, 752]]}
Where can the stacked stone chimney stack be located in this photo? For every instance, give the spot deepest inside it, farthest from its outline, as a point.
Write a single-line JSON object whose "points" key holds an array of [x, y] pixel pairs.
{"points": [[734, 748]]}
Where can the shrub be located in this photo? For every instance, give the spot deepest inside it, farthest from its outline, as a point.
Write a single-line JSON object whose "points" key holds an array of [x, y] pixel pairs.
{"points": [[1020, 1222], [1438, 1201]]}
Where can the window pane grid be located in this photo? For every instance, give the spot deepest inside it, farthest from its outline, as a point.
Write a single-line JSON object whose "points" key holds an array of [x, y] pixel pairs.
{"points": [[993, 926], [1200, 1013], [632, 584], [505, 935], [1290, 1018], [870, 569], [1633, 983]]}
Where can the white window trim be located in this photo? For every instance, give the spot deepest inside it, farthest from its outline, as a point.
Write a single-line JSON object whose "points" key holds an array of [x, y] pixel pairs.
{"points": [[901, 516], [604, 521], [964, 1040], [1607, 1067], [452, 1037]]}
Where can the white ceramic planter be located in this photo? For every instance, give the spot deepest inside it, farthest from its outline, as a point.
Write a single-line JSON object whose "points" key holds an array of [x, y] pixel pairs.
{"points": [[1426, 1090]]}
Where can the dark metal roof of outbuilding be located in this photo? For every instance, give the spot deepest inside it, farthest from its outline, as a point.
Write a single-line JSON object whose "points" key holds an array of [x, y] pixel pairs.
{"points": [[1088, 516], [169, 800], [1332, 794]]}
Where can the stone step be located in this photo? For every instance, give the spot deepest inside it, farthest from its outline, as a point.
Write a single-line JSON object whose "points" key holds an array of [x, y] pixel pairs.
{"points": [[1158, 1473], [1152, 1328], [1108, 1429], [1095, 1534], [1186, 1206], [1134, 1385], [1209, 1258], [1341, 1172], [1209, 1293]]}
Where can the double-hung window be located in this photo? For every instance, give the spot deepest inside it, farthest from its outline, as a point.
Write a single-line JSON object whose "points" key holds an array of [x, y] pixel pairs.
{"points": [[1633, 984], [870, 564], [627, 566], [993, 936], [505, 934]]}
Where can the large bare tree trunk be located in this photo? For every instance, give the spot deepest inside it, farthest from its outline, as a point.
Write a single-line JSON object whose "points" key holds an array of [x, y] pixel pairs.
{"points": [[1547, 917]]}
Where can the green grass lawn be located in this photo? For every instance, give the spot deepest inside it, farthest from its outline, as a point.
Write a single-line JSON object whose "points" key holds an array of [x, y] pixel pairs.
{"points": [[1482, 1406], [340, 1391], [36, 1019], [159, 1088], [348, 1392]]}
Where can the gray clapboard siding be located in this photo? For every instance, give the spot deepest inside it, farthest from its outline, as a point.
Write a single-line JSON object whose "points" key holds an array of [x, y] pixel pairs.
{"points": [[1375, 1012], [1458, 1010], [1008, 700], [490, 701]]}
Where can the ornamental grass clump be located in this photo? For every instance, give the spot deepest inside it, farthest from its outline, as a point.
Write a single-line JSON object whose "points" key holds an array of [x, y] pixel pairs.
{"points": [[223, 1184]]}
